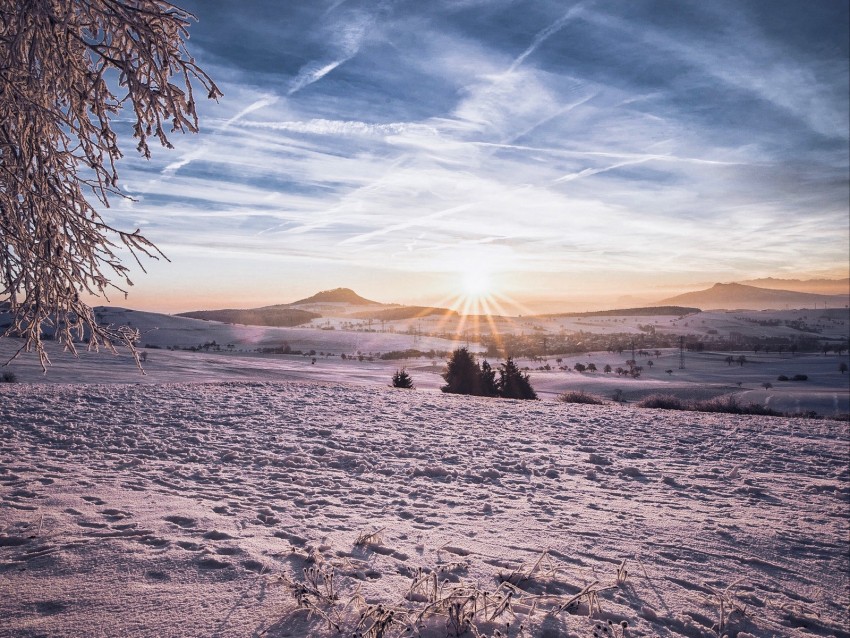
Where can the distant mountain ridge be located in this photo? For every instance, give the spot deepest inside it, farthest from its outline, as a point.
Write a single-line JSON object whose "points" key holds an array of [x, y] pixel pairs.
{"points": [[345, 303], [336, 295], [740, 296], [643, 311], [816, 286]]}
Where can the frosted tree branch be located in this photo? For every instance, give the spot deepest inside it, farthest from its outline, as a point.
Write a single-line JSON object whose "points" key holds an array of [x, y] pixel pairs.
{"points": [[66, 69]]}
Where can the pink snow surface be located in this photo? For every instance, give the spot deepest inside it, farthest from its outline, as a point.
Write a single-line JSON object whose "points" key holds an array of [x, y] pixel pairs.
{"points": [[185, 510]]}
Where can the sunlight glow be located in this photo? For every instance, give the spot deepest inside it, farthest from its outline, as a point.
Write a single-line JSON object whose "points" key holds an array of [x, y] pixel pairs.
{"points": [[476, 283]]}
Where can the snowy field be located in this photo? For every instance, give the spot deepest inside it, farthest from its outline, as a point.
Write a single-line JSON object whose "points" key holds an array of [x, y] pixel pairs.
{"points": [[189, 501], [192, 510]]}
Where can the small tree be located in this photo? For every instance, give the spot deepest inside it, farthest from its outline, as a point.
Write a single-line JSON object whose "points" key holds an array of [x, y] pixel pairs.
{"points": [[842, 367], [512, 383], [607, 369], [579, 367], [401, 379]]}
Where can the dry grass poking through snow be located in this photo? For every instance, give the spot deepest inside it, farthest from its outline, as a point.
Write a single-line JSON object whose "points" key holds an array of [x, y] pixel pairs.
{"points": [[435, 605], [299, 509], [725, 404], [580, 396]]}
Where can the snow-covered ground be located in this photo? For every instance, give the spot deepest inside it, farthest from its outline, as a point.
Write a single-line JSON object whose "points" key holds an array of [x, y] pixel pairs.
{"points": [[193, 510], [190, 500]]}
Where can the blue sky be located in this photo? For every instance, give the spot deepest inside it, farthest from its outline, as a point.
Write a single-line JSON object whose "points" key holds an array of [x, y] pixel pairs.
{"points": [[592, 152]]}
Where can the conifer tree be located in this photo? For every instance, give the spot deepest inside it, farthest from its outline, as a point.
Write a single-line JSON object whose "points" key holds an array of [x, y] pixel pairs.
{"points": [[401, 379], [512, 383], [488, 380], [462, 374]]}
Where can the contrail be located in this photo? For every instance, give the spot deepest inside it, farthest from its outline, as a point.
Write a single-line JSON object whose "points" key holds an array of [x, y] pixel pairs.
{"points": [[313, 73], [352, 37], [417, 222], [545, 34], [594, 171], [172, 168]]}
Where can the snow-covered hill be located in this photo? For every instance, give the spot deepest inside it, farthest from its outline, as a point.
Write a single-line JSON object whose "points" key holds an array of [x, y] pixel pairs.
{"points": [[736, 295]]}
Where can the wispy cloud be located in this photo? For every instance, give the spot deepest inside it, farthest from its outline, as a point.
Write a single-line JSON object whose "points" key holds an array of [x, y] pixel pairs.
{"points": [[312, 72], [741, 57], [587, 172]]}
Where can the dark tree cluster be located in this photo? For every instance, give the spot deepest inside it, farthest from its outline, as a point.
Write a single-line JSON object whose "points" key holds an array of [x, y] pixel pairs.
{"points": [[464, 375]]}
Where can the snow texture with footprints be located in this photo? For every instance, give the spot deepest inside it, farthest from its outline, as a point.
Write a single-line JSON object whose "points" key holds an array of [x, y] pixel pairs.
{"points": [[190, 510]]}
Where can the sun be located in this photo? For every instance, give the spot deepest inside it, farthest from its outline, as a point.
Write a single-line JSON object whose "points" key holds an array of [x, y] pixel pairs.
{"points": [[473, 283], [476, 283]]}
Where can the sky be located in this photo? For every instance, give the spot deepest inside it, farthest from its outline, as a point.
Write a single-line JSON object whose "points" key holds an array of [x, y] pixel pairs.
{"points": [[550, 153]]}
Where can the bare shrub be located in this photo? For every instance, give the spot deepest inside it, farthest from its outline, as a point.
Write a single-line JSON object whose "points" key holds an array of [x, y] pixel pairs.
{"points": [[759, 409], [662, 402], [580, 397], [727, 403]]}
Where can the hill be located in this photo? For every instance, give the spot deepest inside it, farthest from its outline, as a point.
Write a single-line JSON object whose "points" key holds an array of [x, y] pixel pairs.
{"points": [[336, 302], [816, 286], [337, 295], [648, 311], [740, 296], [406, 312], [277, 316]]}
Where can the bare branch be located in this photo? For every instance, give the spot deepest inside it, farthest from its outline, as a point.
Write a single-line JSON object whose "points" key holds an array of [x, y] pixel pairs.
{"points": [[66, 69]]}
